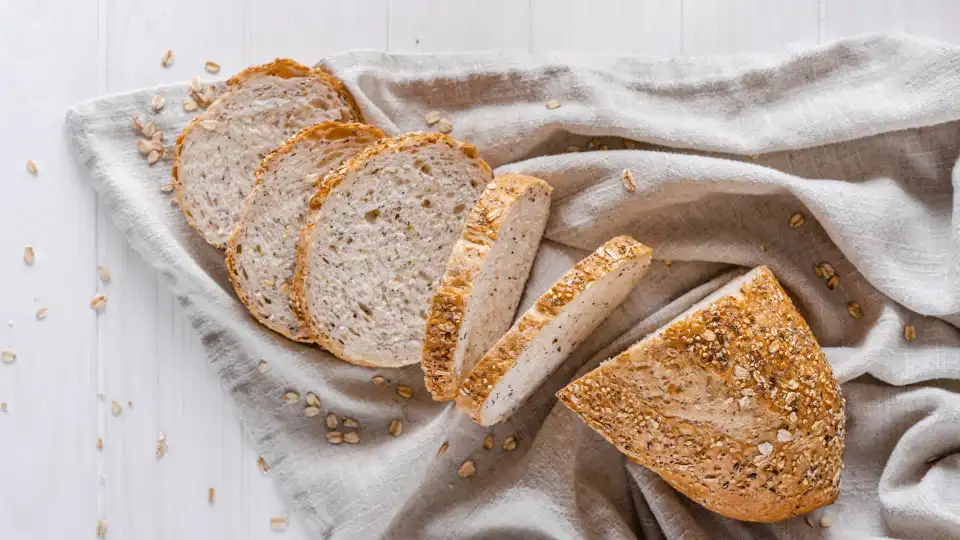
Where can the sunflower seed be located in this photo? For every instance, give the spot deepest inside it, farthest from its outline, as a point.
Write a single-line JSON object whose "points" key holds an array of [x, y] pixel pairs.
{"points": [[396, 427], [854, 310], [784, 435], [833, 282], [211, 67], [444, 125], [149, 129], [116, 408], [797, 220], [262, 366], [262, 463], [8, 356], [378, 380], [167, 59], [351, 438], [32, 167], [909, 333], [467, 469], [190, 105], [553, 104], [42, 313], [404, 391], [332, 421], [211, 495], [488, 442], [157, 103], [29, 255], [443, 449], [334, 437], [627, 180], [310, 412], [99, 302], [279, 523], [432, 117], [104, 274], [510, 444], [101, 528], [153, 157]]}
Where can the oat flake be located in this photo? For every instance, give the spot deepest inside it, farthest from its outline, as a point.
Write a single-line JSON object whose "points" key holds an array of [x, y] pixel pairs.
{"points": [[98, 302], [29, 255], [404, 391], [279, 523], [32, 167], [797, 220], [157, 103], [291, 397], [101, 528], [116, 408], [211, 67], [312, 399], [104, 274], [335, 437], [42, 313], [167, 59], [510, 444], [553, 104], [189, 105], [332, 421], [378, 380], [444, 125], [310, 412], [467, 470], [396, 427], [432, 117]]}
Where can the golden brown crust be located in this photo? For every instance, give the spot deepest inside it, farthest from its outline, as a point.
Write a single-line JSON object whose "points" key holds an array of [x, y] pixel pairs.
{"points": [[479, 384], [328, 131], [395, 145], [735, 406], [449, 304], [280, 67]]}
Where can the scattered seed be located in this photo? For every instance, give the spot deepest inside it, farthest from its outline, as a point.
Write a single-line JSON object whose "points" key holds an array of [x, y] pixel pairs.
{"points": [[668, 262], [3, 406], [167, 188], [797, 220], [291, 397], [396, 427], [161, 445], [350, 422], [312, 399], [818, 270], [211, 495], [149, 129], [310, 412], [833, 282], [262, 366], [190, 105], [510, 444], [262, 464], [854, 310], [157, 137], [553, 104], [432, 117], [629, 144], [279, 523], [167, 59], [334, 437], [137, 124], [784, 435], [116, 408], [443, 449], [444, 125], [99, 444], [909, 333], [29, 255], [104, 273], [157, 103], [488, 442], [195, 85], [404, 391], [709, 335], [144, 147], [627, 179], [351, 438], [378, 380], [153, 158], [8, 355], [467, 470], [209, 125], [572, 149], [827, 270], [332, 421], [32, 167], [765, 448], [211, 67], [825, 522], [101, 528]]}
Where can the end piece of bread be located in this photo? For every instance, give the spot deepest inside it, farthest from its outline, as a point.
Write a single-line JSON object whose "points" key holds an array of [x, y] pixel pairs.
{"points": [[549, 331], [377, 242], [732, 403], [262, 254], [484, 280], [216, 156]]}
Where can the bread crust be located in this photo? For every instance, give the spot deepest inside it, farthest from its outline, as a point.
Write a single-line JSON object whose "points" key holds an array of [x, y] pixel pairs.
{"points": [[761, 440], [280, 67], [450, 302], [323, 131], [395, 145], [479, 384]]}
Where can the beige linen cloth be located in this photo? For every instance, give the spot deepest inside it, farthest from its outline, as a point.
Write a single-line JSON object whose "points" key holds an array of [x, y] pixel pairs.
{"points": [[861, 137]]}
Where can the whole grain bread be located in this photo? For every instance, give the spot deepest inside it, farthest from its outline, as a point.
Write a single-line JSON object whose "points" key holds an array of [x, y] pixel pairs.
{"points": [[484, 279], [732, 403], [262, 253], [560, 320], [376, 245], [217, 154]]}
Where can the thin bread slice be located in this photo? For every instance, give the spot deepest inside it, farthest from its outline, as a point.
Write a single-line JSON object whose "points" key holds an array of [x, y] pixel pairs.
{"points": [[217, 154], [377, 242], [549, 331], [262, 254], [732, 403], [484, 280]]}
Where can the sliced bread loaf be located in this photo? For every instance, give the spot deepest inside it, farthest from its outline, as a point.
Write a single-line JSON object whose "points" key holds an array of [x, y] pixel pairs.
{"points": [[262, 254], [732, 403], [217, 154], [549, 331], [484, 280], [377, 242]]}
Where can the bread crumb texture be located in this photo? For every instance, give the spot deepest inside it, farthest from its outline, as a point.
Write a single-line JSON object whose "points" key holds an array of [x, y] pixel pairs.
{"points": [[734, 405]]}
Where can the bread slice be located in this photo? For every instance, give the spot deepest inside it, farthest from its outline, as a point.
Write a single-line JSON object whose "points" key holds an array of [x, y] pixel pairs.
{"points": [[484, 281], [549, 331], [732, 403], [377, 243], [262, 254], [218, 153]]}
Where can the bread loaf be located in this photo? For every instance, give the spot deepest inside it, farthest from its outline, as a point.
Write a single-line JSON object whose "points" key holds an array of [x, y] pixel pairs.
{"points": [[217, 154], [560, 320], [262, 254], [732, 403], [484, 279], [377, 242]]}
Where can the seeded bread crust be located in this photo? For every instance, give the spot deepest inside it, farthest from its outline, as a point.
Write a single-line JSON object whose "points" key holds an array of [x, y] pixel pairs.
{"points": [[300, 296], [280, 67], [734, 406], [450, 302], [479, 384], [325, 131]]}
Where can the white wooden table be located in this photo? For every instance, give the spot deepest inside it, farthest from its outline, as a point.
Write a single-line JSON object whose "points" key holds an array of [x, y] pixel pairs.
{"points": [[140, 351]]}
